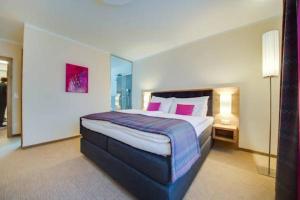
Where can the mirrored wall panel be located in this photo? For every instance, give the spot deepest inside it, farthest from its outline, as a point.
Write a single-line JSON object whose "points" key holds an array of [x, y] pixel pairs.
{"points": [[121, 83]]}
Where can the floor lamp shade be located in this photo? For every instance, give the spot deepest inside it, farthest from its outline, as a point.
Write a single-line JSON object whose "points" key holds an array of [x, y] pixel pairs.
{"points": [[270, 53]]}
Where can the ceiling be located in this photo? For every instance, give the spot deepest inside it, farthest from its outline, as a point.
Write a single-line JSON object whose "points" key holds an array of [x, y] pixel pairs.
{"points": [[137, 29]]}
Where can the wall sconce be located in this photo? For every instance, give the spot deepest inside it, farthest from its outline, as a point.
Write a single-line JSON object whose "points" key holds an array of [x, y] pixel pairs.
{"points": [[225, 107], [146, 99]]}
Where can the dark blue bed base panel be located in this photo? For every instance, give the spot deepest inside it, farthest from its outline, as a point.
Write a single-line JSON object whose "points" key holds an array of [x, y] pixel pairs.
{"points": [[140, 185], [154, 166]]}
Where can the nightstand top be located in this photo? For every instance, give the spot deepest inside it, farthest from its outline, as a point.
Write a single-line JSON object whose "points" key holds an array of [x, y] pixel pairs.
{"points": [[225, 126]]}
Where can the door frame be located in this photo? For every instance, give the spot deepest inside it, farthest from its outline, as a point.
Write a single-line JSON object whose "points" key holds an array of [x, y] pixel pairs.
{"points": [[9, 94]]}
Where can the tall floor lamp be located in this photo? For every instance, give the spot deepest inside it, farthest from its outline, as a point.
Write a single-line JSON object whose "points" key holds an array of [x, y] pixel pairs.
{"points": [[270, 69]]}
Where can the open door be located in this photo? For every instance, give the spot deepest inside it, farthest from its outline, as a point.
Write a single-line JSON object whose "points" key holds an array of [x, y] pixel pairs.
{"points": [[6, 70]]}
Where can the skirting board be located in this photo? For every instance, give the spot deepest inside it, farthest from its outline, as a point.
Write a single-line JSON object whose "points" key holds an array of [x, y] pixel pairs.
{"points": [[49, 142], [16, 135], [257, 152]]}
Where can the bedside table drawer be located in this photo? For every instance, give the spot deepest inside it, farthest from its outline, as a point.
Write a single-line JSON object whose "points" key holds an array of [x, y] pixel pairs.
{"points": [[224, 134]]}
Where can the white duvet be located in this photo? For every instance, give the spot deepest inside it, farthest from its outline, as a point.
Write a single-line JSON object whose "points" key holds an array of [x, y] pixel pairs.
{"points": [[154, 143]]}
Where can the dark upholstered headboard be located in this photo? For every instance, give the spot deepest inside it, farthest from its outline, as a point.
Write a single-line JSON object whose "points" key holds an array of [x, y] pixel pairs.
{"points": [[189, 94]]}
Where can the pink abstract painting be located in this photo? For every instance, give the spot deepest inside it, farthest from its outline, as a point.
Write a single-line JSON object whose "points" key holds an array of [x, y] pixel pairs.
{"points": [[76, 78]]}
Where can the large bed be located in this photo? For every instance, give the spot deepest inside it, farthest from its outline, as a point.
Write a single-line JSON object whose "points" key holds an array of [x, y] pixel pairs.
{"points": [[140, 167]]}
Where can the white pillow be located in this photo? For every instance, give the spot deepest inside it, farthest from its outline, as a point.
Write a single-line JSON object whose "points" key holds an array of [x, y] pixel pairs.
{"points": [[200, 104], [165, 103]]}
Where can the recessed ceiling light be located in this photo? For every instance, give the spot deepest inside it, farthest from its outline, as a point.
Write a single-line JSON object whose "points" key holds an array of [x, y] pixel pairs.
{"points": [[3, 62], [117, 2]]}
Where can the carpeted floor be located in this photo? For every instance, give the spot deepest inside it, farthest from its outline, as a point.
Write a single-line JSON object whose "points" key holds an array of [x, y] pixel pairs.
{"points": [[59, 171]]}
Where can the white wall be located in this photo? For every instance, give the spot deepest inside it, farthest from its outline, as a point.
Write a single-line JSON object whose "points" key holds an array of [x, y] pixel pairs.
{"points": [[49, 113], [14, 51], [232, 58]]}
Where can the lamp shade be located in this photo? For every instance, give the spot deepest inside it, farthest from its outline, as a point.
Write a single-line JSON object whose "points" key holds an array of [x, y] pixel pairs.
{"points": [[225, 104], [270, 53], [146, 99]]}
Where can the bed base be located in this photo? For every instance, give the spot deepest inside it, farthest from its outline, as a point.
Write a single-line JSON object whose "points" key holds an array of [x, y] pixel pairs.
{"points": [[138, 184]]}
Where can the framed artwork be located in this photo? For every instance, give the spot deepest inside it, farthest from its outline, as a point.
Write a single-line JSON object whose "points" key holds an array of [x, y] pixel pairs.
{"points": [[77, 78]]}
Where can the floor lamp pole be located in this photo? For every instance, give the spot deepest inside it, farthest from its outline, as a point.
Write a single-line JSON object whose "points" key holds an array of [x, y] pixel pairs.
{"points": [[270, 128]]}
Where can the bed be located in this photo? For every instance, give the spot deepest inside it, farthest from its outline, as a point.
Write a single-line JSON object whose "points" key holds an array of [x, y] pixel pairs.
{"points": [[145, 172]]}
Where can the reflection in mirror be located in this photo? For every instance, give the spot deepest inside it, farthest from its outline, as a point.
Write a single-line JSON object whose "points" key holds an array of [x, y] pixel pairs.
{"points": [[121, 83]]}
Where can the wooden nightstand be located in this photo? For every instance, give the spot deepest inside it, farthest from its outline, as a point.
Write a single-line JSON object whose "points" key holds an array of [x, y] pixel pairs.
{"points": [[226, 133]]}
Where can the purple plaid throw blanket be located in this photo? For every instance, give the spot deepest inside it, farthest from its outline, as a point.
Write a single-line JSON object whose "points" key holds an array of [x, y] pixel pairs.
{"points": [[184, 142]]}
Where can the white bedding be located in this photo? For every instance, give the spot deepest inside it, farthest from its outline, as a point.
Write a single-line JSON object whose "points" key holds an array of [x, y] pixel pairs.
{"points": [[154, 143]]}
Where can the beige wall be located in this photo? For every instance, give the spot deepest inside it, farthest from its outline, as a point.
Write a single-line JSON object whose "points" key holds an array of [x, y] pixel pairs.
{"points": [[232, 58], [14, 51], [49, 113]]}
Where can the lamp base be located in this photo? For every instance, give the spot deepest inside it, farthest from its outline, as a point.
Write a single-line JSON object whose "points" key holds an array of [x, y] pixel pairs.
{"points": [[225, 121], [264, 171]]}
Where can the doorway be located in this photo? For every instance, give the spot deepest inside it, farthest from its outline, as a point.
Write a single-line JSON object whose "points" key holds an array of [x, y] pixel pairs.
{"points": [[6, 107], [121, 83]]}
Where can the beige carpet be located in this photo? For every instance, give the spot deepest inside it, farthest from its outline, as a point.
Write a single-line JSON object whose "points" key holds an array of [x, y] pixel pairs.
{"points": [[59, 171]]}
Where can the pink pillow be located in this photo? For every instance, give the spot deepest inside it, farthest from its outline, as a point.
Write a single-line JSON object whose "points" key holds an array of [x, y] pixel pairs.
{"points": [[153, 106], [182, 109]]}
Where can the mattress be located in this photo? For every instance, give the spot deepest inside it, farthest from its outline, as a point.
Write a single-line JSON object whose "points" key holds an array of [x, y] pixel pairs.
{"points": [[153, 143]]}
